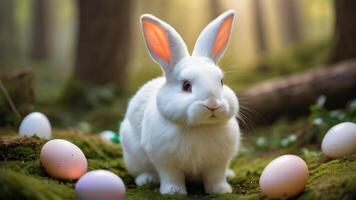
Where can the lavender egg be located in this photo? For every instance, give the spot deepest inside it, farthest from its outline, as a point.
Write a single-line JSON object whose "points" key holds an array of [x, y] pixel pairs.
{"points": [[100, 185]]}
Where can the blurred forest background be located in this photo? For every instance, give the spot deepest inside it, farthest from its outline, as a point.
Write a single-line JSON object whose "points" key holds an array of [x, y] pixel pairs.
{"points": [[292, 63], [88, 54]]}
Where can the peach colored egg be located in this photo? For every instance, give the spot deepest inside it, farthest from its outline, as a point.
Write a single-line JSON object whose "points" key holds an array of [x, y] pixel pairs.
{"points": [[63, 160], [284, 177]]}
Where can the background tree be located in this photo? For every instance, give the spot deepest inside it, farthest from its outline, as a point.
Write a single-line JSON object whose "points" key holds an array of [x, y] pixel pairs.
{"points": [[103, 42], [7, 30], [261, 43], [344, 41], [40, 32], [290, 20], [260, 31], [215, 9]]}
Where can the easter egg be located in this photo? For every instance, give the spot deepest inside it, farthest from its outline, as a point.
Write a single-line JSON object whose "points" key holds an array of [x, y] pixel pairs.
{"points": [[63, 160], [100, 184], [35, 123], [340, 140], [110, 136], [284, 177]]}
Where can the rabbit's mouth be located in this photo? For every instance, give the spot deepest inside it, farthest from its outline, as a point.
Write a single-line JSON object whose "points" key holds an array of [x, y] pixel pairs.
{"points": [[200, 114]]}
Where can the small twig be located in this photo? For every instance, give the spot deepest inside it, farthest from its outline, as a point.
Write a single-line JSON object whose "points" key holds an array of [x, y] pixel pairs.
{"points": [[9, 100]]}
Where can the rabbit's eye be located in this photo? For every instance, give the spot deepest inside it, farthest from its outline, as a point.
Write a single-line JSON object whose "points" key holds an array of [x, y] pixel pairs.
{"points": [[186, 87], [222, 82]]}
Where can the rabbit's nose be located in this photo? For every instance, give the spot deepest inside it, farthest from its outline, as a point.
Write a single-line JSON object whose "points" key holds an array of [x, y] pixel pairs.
{"points": [[213, 104]]}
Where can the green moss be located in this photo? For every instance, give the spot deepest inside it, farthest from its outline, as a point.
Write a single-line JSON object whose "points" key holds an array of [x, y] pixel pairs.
{"points": [[91, 145], [20, 148], [331, 179], [15, 185], [22, 176]]}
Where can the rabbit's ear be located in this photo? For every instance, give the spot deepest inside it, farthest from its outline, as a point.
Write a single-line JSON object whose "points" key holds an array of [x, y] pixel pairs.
{"points": [[165, 45], [214, 38]]}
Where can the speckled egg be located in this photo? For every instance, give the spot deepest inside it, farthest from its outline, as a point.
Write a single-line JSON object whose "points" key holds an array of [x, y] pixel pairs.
{"points": [[340, 140], [63, 160], [284, 177], [100, 185], [36, 123]]}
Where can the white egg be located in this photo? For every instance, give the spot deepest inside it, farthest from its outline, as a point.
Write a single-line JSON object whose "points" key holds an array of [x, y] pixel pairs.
{"points": [[100, 184], [36, 123], [284, 177], [340, 140], [63, 160]]}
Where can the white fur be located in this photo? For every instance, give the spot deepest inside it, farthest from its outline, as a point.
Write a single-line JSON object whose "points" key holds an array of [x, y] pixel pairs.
{"points": [[169, 136]]}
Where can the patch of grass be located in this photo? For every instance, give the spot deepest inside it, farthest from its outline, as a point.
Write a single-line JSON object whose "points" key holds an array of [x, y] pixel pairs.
{"points": [[92, 146], [15, 185], [26, 179], [331, 179], [20, 148]]}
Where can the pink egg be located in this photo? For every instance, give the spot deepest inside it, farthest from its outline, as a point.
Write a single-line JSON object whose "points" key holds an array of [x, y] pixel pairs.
{"points": [[100, 185], [63, 160], [284, 177]]}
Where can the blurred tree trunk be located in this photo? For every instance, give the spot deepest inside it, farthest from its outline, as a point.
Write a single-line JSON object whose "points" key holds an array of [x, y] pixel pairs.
{"points": [[261, 42], [103, 42], [344, 41], [7, 30], [293, 95], [290, 20], [259, 26], [40, 34]]}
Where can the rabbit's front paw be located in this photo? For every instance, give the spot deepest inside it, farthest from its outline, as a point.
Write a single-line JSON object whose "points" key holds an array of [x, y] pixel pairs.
{"points": [[219, 188], [229, 173], [171, 188], [145, 178]]}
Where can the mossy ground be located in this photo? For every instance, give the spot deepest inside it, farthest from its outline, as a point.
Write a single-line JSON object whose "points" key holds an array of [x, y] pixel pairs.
{"points": [[22, 177]]}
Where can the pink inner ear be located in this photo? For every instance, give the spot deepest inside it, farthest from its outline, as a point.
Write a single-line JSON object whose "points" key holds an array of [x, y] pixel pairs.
{"points": [[222, 35], [157, 39]]}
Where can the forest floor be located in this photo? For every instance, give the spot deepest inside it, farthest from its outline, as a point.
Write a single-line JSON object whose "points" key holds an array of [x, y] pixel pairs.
{"points": [[22, 176]]}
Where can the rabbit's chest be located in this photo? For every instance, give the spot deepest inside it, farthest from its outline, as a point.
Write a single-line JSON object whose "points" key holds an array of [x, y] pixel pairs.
{"points": [[198, 150], [193, 150], [189, 149]]}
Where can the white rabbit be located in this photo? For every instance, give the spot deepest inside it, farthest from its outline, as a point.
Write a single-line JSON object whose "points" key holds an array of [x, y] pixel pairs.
{"points": [[182, 126]]}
